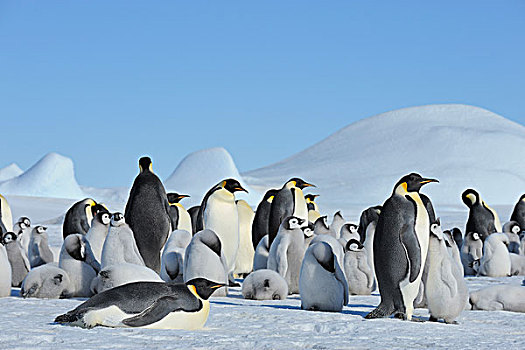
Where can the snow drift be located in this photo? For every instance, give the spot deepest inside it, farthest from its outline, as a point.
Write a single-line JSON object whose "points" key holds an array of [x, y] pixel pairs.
{"points": [[462, 146], [51, 176], [9, 172], [201, 170]]}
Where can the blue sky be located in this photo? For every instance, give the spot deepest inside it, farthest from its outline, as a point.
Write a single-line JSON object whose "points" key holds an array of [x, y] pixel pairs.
{"points": [[105, 82]]}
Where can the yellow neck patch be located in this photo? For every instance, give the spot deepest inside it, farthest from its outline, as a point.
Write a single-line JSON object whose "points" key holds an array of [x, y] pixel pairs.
{"points": [[193, 290]]}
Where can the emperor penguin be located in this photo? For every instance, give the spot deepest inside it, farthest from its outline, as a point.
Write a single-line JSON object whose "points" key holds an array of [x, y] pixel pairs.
{"points": [[219, 213], [120, 246], [288, 201], [262, 217], [445, 288], [244, 261], [179, 216], [78, 217], [512, 229], [309, 235], [495, 261], [39, 252], [471, 251], [518, 214], [23, 231], [321, 227], [5, 273], [287, 252], [19, 263], [322, 283], [337, 248], [348, 231], [155, 305], [481, 218], [77, 259], [172, 266], [98, 232], [147, 214], [313, 207], [46, 281], [458, 236], [264, 284], [6, 218], [337, 223], [204, 258], [452, 249], [400, 247], [194, 214], [499, 297], [517, 264], [260, 258], [368, 217], [116, 275], [359, 273]]}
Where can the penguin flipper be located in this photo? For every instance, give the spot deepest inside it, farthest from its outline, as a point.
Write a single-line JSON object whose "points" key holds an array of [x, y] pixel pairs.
{"points": [[160, 309], [281, 256], [413, 250], [340, 276]]}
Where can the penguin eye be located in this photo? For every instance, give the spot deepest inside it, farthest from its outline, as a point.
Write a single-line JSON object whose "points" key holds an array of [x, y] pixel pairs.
{"points": [[293, 221], [353, 246]]}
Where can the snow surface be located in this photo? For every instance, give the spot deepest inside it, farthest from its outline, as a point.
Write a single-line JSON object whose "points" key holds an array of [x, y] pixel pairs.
{"points": [[10, 171], [51, 176], [462, 146]]}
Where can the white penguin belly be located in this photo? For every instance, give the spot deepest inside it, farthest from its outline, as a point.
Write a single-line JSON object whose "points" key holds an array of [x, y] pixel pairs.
{"points": [[184, 219], [300, 209], [5, 273]]}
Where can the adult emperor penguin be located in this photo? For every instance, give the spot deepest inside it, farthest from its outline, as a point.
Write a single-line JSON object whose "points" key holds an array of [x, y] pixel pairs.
{"points": [[518, 214], [218, 212], [262, 217], [359, 273], [288, 201], [368, 217], [400, 248], [313, 208], [471, 251], [39, 252], [322, 283], [495, 261], [78, 217], [179, 216], [146, 305], [481, 218], [244, 261], [120, 246], [458, 236], [147, 214], [6, 218], [5, 273], [194, 214], [98, 232], [19, 263]]}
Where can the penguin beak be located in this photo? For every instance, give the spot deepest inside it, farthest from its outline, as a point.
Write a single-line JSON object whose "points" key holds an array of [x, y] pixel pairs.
{"points": [[306, 184], [217, 286], [426, 181], [240, 188], [183, 196]]}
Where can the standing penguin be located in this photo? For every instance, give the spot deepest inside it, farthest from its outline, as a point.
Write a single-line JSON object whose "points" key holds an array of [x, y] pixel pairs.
{"points": [[368, 217], [5, 273], [321, 227], [218, 212], [471, 251], [194, 214], [458, 236], [495, 261], [172, 267], [337, 222], [400, 248], [359, 274], [452, 249], [6, 218], [98, 232], [23, 231], [19, 264], [322, 283], [287, 252], [313, 208], [262, 217], [289, 201], [518, 214], [147, 214], [445, 289], [512, 229], [481, 218], [78, 217], [39, 252], [348, 231], [244, 262], [120, 246], [179, 217]]}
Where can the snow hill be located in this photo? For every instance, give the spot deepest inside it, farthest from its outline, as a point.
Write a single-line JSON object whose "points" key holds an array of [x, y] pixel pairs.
{"points": [[10, 171], [462, 146], [51, 176], [201, 170]]}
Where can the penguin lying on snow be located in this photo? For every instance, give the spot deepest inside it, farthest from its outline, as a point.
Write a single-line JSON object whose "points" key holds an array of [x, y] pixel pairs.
{"points": [[264, 284], [146, 305], [123, 273], [46, 281], [500, 297]]}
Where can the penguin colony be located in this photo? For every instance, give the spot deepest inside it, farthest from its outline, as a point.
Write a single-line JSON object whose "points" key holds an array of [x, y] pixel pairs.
{"points": [[156, 265]]}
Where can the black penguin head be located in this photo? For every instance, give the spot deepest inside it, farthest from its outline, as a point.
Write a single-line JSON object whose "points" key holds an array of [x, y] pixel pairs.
{"points": [[117, 219], [103, 217], [299, 183], [203, 288], [232, 185], [310, 197], [174, 197], [24, 222], [522, 198], [292, 223], [269, 195], [353, 245], [8, 238], [411, 183], [99, 208], [145, 164], [470, 197]]}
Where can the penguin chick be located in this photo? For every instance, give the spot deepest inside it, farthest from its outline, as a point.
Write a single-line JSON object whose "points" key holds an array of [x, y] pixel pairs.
{"points": [[471, 250], [512, 229], [322, 283], [337, 222], [98, 232], [309, 235], [348, 231], [22, 229], [499, 297], [358, 272], [322, 228], [453, 249], [172, 262], [260, 258], [495, 261], [517, 263], [264, 284], [120, 245], [19, 265], [39, 252], [116, 275], [46, 282]]}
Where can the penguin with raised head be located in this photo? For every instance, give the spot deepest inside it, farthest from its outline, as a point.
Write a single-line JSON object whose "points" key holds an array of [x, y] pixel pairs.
{"points": [[337, 223], [78, 217], [458, 236], [313, 208], [156, 305], [244, 261], [289, 201], [400, 248], [262, 217], [512, 229], [172, 267], [219, 213], [260, 258], [359, 274], [98, 232], [322, 282], [287, 252], [368, 217], [194, 214], [452, 249], [39, 252], [22, 229], [147, 214], [471, 251], [481, 218], [19, 264], [120, 246], [6, 218], [518, 213], [179, 216], [321, 227], [495, 261]]}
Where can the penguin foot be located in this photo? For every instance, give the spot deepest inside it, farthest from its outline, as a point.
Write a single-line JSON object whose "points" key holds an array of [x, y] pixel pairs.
{"points": [[380, 311], [452, 322], [401, 316]]}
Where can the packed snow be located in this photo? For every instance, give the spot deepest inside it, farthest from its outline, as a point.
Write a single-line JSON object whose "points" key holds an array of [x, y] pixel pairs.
{"points": [[10, 171]]}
